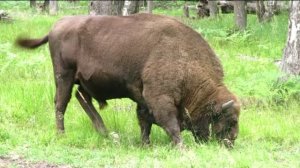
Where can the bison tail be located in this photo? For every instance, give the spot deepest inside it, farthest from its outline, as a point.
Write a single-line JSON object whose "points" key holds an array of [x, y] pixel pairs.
{"points": [[31, 43]]}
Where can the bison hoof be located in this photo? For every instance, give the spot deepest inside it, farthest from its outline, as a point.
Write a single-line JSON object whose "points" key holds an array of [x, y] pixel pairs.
{"points": [[227, 143]]}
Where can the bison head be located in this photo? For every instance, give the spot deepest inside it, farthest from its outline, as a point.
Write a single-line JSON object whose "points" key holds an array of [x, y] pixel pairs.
{"points": [[225, 123]]}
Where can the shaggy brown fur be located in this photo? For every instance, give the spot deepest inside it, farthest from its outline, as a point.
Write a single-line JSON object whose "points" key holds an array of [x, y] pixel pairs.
{"points": [[158, 62]]}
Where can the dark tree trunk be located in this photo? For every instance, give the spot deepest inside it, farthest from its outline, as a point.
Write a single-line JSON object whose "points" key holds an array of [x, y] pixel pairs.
{"points": [[32, 3], [213, 8], [240, 14], [53, 7], [149, 6], [202, 9], [106, 7], [291, 56]]}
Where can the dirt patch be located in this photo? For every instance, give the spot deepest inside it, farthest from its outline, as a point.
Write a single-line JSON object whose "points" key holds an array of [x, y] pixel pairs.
{"points": [[20, 162]]}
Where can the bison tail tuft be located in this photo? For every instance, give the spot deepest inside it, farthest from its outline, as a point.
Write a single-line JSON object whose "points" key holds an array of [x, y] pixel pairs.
{"points": [[31, 43]]}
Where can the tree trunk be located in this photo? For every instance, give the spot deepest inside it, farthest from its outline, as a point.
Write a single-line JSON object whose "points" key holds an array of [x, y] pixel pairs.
{"points": [[213, 8], [186, 11], [270, 10], [266, 10], [291, 55], [202, 9], [106, 7], [32, 3], [133, 7], [53, 7], [46, 5], [260, 10], [149, 6], [240, 14]]}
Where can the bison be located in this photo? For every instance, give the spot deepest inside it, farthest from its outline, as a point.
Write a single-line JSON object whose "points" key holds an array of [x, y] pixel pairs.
{"points": [[164, 66]]}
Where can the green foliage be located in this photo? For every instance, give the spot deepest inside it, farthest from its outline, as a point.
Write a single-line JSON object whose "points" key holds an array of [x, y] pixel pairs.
{"points": [[169, 5], [284, 91], [269, 122], [249, 57]]}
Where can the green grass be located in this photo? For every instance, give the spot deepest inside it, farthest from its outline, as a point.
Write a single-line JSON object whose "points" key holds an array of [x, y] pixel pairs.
{"points": [[269, 124]]}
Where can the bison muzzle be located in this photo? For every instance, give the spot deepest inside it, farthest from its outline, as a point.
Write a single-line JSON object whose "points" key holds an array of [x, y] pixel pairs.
{"points": [[167, 68]]}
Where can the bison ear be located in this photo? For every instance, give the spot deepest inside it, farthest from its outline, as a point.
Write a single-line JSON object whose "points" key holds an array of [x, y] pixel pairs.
{"points": [[227, 105]]}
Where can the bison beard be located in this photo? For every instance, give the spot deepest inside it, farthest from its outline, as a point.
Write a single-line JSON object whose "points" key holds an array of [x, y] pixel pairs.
{"points": [[167, 68]]}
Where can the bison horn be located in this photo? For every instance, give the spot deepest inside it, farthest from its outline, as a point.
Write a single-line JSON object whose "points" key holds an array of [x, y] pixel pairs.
{"points": [[227, 105]]}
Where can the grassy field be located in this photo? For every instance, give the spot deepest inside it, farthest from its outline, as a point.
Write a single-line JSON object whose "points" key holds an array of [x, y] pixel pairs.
{"points": [[269, 124]]}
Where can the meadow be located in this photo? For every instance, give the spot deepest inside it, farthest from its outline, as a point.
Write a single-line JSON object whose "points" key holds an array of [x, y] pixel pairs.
{"points": [[269, 122]]}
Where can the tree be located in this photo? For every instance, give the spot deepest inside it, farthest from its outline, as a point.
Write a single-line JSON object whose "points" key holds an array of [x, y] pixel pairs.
{"points": [[271, 8], [265, 10], [186, 10], [133, 7], [291, 56], [53, 7], [202, 9], [106, 7], [240, 14], [260, 10], [213, 8], [149, 6], [46, 5], [32, 3]]}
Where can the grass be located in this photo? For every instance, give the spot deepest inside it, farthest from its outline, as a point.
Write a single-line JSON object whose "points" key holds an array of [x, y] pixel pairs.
{"points": [[269, 124]]}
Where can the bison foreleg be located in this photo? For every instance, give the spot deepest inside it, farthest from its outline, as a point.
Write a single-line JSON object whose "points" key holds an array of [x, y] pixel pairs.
{"points": [[85, 101], [145, 121], [165, 114]]}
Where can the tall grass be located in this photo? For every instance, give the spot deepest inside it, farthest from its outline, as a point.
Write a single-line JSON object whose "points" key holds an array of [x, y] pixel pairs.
{"points": [[269, 123]]}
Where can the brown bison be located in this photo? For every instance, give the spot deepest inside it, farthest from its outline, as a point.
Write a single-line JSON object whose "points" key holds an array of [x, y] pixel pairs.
{"points": [[167, 68]]}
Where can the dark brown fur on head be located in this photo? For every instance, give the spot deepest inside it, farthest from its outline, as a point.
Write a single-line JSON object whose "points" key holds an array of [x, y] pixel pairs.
{"points": [[224, 120]]}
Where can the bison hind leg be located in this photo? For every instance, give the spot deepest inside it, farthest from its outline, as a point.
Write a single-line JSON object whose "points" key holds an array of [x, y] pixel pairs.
{"points": [[64, 81], [85, 101]]}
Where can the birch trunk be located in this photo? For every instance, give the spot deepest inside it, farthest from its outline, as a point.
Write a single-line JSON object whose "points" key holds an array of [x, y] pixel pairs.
{"points": [[149, 6], [53, 7], [131, 7], [106, 7], [213, 8], [291, 56]]}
